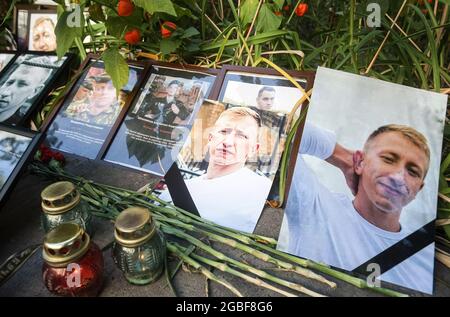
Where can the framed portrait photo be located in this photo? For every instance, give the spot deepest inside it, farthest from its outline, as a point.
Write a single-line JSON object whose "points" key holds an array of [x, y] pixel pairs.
{"points": [[92, 110], [16, 146], [365, 186], [6, 59], [26, 83], [22, 26], [273, 97], [41, 30], [234, 149], [159, 121]]}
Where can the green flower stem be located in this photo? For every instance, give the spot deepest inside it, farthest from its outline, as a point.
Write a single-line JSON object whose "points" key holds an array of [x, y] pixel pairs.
{"points": [[257, 254], [178, 233], [225, 268], [329, 271], [134, 198], [202, 269]]}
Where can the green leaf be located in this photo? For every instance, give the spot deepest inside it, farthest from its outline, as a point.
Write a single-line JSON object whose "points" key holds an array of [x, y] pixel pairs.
{"points": [[116, 26], [168, 46], [116, 67], [279, 4], [248, 10], [153, 6], [445, 164], [69, 27], [447, 128], [190, 32], [180, 12], [96, 12], [267, 20], [447, 230], [10, 10]]}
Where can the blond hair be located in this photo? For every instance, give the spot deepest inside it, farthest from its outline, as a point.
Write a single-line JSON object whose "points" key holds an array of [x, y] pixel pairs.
{"points": [[414, 136], [240, 112], [43, 19]]}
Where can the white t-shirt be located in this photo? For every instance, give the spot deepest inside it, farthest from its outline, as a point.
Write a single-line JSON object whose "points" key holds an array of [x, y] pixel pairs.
{"points": [[235, 200], [325, 227]]}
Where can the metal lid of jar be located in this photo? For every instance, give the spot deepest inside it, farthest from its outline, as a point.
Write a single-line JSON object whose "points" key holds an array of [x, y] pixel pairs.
{"points": [[65, 244], [134, 226], [59, 197]]}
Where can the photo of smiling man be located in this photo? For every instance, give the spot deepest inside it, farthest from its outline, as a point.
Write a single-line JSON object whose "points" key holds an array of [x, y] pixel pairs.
{"points": [[364, 191], [385, 176]]}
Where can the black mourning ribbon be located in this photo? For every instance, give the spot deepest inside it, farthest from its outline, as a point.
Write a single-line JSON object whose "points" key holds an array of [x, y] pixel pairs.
{"points": [[401, 250]]}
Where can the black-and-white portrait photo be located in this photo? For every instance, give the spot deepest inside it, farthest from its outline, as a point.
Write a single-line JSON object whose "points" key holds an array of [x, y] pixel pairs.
{"points": [[23, 83], [5, 59], [12, 147]]}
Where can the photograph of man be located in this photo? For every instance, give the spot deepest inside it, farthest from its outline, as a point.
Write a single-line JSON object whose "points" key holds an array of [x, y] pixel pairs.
{"points": [[42, 32], [345, 232], [24, 81], [165, 109], [242, 193], [4, 60], [159, 120], [12, 148], [266, 98], [272, 130], [99, 106]]}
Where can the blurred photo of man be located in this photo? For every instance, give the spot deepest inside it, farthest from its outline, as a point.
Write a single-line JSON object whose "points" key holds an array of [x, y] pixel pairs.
{"points": [[266, 98], [42, 35], [4, 60], [165, 109], [99, 106], [231, 194]]}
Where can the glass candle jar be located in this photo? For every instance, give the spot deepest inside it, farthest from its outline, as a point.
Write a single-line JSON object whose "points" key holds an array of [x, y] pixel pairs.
{"points": [[61, 203], [73, 265], [139, 249]]}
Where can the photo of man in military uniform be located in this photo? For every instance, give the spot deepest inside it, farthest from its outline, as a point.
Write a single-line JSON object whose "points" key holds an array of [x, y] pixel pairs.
{"points": [[99, 106], [165, 109]]}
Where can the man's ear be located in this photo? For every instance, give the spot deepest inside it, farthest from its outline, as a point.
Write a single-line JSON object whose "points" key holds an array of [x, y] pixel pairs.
{"points": [[253, 150], [358, 162], [37, 90], [421, 186]]}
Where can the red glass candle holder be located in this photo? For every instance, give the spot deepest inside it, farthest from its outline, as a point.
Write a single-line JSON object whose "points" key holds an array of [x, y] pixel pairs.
{"points": [[73, 265]]}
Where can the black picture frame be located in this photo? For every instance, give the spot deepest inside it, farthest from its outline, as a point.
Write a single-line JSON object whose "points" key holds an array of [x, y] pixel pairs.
{"points": [[154, 66], [259, 72], [13, 176], [56, 113], [54, 78], [20, 22]]}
